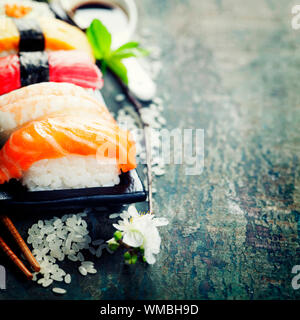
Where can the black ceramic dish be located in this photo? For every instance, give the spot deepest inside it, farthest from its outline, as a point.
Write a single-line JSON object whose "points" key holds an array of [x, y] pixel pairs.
{"points": [[16, 197]]}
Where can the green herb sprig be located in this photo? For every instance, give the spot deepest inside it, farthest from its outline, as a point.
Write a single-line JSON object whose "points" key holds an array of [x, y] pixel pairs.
{"points": [[100, 40]]}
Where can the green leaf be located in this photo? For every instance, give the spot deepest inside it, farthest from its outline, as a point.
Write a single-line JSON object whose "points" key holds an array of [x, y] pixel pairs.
{"points": [[128, 45], [142, 52], [130, 52], [103, 67], [123, 55], [118, 68], [99, 38]]}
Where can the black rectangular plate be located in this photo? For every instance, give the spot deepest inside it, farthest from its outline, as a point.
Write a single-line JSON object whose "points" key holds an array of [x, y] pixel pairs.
{"points": [[130, 189]]}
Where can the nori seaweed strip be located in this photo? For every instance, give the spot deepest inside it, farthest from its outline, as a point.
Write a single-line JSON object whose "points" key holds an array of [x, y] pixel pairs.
{"points": [[31, 35], [34, 67]]}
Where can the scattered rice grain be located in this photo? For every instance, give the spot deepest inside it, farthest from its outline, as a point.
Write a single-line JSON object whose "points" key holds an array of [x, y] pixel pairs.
{"points": [[82, 270], [68, 278], [59, 290]]}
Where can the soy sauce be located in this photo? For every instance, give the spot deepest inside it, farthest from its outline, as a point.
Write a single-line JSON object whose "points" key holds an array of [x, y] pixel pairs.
{"points": [[113, 17]]}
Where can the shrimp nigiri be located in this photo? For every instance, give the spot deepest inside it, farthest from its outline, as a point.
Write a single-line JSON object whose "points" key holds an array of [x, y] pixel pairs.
{"points": [[45, 88], [16, 114]]}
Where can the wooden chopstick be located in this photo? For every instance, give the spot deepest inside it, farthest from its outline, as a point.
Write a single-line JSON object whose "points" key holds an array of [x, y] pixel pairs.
{"points": [[15, 259], [21, 243]]}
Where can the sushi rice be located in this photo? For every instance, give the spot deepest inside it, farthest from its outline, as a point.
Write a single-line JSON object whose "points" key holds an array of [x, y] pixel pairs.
{"points": [[70, 172]]}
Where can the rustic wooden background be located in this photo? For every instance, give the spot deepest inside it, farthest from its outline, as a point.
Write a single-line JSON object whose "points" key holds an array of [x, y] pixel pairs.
{"points": [[232, 69]]}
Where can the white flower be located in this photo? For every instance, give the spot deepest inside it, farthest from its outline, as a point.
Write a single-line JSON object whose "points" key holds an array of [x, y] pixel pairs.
{"points": [[141, 230]]}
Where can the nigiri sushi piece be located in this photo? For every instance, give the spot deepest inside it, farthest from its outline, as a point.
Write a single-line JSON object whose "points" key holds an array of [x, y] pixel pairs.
{"points": [[24, 8], [46, 88], [57, 66], [67, 152], [39, 34], [14, 115]]}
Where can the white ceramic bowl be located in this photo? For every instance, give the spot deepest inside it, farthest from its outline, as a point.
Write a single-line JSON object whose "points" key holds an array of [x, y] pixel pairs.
{"points": [[128, 6]]}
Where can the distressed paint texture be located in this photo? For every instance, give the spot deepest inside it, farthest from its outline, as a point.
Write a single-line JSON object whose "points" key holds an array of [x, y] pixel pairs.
{"points": [[232, 69]]}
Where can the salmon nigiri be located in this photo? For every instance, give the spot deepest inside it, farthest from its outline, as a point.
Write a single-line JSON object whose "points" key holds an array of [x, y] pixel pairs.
{"points": [[67, 152]]}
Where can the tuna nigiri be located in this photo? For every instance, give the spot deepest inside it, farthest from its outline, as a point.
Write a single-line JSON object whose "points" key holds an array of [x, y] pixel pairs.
{"points": [[58, 66], [67, 152], [39, 34]]}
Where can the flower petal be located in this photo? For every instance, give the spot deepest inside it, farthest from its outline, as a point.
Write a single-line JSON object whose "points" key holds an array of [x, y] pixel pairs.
{"points": [[119, 227], [133, 238], [132, 210], [108, 241], [149, 257]]}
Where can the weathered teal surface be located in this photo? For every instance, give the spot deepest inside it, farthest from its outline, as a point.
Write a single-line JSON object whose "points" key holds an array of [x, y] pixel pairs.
{"points": [[231, 68]]}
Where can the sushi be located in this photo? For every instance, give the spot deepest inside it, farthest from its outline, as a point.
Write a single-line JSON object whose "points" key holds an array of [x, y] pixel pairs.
{"points": [[16, 114], [47, 88], [55, 134], [67, 152], [24, 9], [57, 66], [44, 99], [40, 34]]}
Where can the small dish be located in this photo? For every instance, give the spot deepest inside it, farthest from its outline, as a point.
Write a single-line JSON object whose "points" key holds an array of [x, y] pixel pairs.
{"points": [[130, 190]]}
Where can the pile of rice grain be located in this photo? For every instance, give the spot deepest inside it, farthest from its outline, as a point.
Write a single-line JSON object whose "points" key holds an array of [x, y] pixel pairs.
{"points": [[55, 240]]}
